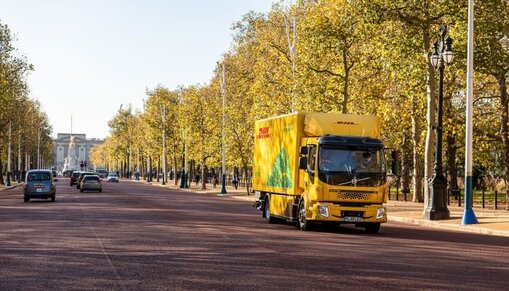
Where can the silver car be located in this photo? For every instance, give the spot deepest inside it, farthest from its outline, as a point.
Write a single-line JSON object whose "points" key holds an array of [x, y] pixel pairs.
{"points": [[91, 182], [112, 177], [39, 184]]}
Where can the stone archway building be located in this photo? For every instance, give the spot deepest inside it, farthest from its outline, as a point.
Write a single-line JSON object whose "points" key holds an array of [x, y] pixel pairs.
{"points": [[83, 147]]}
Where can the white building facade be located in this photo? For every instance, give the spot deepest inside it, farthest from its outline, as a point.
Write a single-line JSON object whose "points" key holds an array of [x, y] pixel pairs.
{"points": [[83, 147]]}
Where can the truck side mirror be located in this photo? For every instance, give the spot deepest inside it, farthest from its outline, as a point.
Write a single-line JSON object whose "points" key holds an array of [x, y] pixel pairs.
{"points": [[303, 150], [303, 163], [395, 163]]}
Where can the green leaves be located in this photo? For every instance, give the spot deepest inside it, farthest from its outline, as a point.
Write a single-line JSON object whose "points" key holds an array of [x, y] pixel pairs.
{"points": [[362, 57]]}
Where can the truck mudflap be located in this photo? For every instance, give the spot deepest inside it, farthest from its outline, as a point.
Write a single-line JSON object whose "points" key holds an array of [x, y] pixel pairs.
{"points": [[330, 212], [258, 204]]}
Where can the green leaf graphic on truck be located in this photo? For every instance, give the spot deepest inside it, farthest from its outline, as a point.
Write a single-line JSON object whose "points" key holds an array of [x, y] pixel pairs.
{"points": [[281, 175]]}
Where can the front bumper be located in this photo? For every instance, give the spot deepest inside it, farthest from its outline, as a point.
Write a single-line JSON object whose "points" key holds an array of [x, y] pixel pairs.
{"points": [[368, 213]]}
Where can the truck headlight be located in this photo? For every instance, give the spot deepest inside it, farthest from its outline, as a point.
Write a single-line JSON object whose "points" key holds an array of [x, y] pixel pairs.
{"points": [[380, 213], [323, 210]]}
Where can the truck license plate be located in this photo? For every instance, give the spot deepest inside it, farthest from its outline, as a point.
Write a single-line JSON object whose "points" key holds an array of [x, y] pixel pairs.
{"points": [[352, 219], [38, 190]]}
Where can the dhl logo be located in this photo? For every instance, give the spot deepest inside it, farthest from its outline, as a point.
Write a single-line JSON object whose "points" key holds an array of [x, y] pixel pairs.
{"points": [[263, 132], [345, 123]]}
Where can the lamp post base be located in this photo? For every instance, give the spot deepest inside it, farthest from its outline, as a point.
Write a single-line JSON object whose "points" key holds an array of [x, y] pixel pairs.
{"points": [[468, 217], [183, 181], [8, 183], [223, 186], [437, 208]]}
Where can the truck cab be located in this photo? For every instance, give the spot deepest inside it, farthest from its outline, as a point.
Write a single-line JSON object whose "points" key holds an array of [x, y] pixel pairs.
{"points": [[343, 179]]}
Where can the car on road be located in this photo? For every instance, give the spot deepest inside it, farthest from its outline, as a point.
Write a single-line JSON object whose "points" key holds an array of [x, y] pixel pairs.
{"points": [[91, 182], [73, 178], [102, 173], [39, 184], [112, 177], [80, 177]]}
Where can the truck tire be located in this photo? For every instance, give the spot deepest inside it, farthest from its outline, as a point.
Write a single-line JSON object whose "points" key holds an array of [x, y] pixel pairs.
{"points": [[304, 224], [268, 216], [372, 228]]}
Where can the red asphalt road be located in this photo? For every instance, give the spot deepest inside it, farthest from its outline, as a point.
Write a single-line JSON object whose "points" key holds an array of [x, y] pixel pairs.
{"points": [[140, 237]]}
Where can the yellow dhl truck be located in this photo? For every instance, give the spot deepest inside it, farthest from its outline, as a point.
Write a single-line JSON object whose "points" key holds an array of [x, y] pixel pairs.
{"points": [[320, 167]]}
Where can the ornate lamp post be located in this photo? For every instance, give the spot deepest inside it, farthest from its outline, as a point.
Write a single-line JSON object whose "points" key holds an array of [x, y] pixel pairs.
{"points": [[437, 207]]}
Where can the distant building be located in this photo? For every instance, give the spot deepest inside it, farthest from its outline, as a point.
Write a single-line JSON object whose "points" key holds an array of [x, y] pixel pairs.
{"points": [[83, 147]]}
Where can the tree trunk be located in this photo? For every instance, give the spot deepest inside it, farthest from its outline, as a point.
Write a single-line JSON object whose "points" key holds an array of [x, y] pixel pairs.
{"points": [[175, 162], [244, 170], [344, 107], [158, 168], [504, 130], [405, 164], [417, 158], [452, 177], [1, 169], [203, 176], [430, 118]]}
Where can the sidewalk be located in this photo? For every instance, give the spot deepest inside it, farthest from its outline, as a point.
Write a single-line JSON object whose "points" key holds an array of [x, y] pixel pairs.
{"points": [[490, 221], [13, 185]]}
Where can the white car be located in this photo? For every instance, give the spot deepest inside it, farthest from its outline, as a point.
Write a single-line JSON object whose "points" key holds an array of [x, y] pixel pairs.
{"points": [[112, 177]]}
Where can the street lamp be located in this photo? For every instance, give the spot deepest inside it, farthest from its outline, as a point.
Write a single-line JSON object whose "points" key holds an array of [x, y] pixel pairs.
{"points": [[163, 117], [8, 184], [223, 166], [437, 207]]}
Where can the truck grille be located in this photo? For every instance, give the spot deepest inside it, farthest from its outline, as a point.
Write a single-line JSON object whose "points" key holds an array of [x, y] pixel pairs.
{"points": [[351, 195]]}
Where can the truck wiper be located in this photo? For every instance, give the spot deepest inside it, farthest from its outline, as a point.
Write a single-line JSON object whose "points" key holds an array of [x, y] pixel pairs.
{"points": [[354, 181]]}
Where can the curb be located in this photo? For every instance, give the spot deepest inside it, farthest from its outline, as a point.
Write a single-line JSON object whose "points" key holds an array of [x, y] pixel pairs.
{"points": [[12, 187], [448, 226]]}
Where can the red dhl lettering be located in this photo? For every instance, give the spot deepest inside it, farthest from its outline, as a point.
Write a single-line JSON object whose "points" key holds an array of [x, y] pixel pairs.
{"points": [[346, 123], [263, 132]]}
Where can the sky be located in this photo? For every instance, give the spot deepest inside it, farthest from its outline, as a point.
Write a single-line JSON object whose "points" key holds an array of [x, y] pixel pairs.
{"points": [[92, 56]]}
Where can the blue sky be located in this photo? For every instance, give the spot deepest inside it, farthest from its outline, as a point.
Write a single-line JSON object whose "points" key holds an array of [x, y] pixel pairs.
{"points": [[91, 56]]}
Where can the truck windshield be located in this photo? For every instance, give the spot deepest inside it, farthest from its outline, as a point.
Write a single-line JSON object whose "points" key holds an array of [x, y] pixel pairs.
{"points": [[351, 166]]}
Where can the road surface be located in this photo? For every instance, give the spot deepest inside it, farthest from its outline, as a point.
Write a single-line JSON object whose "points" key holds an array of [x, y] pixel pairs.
{"points": [[134, 236]]}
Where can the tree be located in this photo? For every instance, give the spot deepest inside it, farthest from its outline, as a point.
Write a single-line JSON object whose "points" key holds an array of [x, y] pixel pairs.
{"points": [[492, 59]]}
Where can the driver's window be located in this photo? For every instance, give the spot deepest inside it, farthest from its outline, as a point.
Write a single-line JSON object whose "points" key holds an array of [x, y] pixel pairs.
{"points": [[311, 161]]}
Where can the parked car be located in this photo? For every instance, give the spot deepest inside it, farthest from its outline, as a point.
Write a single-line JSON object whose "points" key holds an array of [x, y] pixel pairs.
{"points": [[91, 182], [39, 184], [74, 178], [112, 177], [80, 177]]}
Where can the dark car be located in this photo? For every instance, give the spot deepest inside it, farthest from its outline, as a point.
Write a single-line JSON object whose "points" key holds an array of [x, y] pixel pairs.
{"points": [[74, 178], [102, 173], [39, 184], [80, 177]]}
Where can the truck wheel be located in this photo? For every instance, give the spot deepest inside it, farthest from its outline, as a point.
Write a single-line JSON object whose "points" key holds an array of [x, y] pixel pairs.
{"points": [[372, 228], [268, 216], [303, 223]]}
